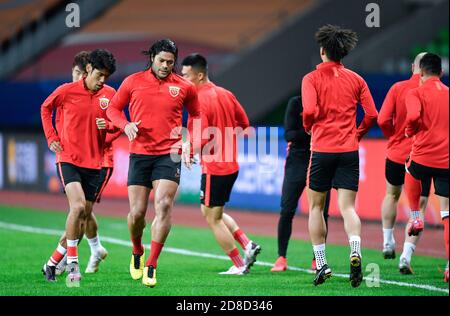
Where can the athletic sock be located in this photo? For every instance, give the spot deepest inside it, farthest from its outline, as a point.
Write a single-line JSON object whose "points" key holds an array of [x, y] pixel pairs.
{"points": [[235, 256], [408, 249], [57, 256], [155, 250], [241, 238], [319, 253], [355, 244], [444, 215], [138, 248], [94, 244], [388, 236], [72, 251]]}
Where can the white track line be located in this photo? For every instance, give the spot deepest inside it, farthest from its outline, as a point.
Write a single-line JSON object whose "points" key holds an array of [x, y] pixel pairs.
{"points": [[55, 232]]}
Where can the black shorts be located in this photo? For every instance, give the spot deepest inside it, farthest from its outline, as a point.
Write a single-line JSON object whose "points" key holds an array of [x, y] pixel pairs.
{"points": [[395, 175], [334, 170], [216, 190], [439, 176], [102, 180], [88, 178], [144, 169]]}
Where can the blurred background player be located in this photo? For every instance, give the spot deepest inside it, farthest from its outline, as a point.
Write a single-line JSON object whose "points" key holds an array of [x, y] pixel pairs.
{"points": [[427, 123], [294, 181], [392, 121], [79, 149], [222, 111], [98, 252], [330, 96], [156, 97]]}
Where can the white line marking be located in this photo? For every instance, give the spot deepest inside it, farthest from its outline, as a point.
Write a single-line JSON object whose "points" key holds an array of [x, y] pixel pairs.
{"points": [[55, 232]]}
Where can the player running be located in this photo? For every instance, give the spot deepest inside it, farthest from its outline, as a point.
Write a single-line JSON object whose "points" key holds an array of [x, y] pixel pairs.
{"points": [[79, 146], [392, 121], [155, 98], [330, 96], [223, 112], [427, 123]]}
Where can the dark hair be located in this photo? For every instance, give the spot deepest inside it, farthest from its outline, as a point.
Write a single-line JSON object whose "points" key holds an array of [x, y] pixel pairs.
{"points": [[163, 45], [102, 59], [336, 42], [81, 60], [431, 64], [196, 61]]}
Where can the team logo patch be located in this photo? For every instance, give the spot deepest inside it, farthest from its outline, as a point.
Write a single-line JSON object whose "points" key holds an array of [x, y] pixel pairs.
{"points": [[202, 194], [178, 173], [174, 91], [104, 102]]}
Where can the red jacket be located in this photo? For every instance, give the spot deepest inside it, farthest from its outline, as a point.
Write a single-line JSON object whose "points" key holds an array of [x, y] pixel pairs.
{"points": [[158, 104], [330, 95], [222, 111], [427, 120], [81, 140], [392, 119]]}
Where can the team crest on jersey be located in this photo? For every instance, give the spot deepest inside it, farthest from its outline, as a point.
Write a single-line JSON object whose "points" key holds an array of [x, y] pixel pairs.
{"points": [[174, 91], [104, 103]]}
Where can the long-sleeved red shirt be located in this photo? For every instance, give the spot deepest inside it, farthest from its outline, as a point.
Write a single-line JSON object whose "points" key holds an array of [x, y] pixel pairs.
{"points": [[80, 138], [108, 152], [392, 119], [427, 119], [330, 95], [223, 113], [158, 104]]}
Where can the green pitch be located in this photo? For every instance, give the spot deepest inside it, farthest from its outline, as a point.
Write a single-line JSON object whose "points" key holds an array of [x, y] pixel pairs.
{"points": [[190, 263]]}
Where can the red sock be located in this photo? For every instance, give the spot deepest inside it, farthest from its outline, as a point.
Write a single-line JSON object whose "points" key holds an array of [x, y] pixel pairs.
{"points": [[57, 256], [241, 238], [445, 220], [235, 256], [155, 250], [413, 189], [138, 248], [72, 254]]}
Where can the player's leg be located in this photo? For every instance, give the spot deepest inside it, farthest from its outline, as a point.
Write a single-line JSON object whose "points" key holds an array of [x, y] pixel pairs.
{"points": [[410, 243], [441, 190], [346, 181], [395, 177], [320, 174], [414, 176], [294, 183], [98, 252], [165, 191]]}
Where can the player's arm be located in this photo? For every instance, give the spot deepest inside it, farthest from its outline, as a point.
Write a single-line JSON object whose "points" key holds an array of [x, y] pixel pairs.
{"points": [[413, 113], [370, 111], [53, 101], [194, 115], [309, 98], [386, 117], [115, 110]]}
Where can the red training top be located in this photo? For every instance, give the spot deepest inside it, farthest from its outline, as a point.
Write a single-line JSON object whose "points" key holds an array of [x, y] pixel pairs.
{"points": [[392, 119], [222, 111], [158, 104], [81, 140], [427, 119], [330, 95]]}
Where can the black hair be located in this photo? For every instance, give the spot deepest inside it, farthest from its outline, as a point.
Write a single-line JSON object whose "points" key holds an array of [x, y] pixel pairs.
{"points": [[196, 61], [163, 45], [102, 59], [431, 64], [81, 60], [336, 41]]}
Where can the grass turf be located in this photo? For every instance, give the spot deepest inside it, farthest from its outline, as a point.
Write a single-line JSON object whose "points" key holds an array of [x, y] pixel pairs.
{"points": [[22, 255]]}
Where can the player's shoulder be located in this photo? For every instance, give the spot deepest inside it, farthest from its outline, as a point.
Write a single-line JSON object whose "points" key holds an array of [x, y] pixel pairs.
{"points": [[108, 89], [134, 76], [177, 79]]}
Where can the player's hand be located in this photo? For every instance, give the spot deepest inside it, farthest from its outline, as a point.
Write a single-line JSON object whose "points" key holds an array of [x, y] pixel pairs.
{"points": [[55, 146], [131, 130], [101, 123], [186, 155]]}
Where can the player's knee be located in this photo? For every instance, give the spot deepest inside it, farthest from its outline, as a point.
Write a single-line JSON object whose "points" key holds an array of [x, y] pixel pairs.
{"points": [[393, 195], [287, 213], [164, 203], [78, 208]]}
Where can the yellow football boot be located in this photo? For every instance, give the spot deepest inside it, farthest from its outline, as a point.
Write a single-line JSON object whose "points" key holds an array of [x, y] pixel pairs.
{"points": [[137, 266], [149, 277]]}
